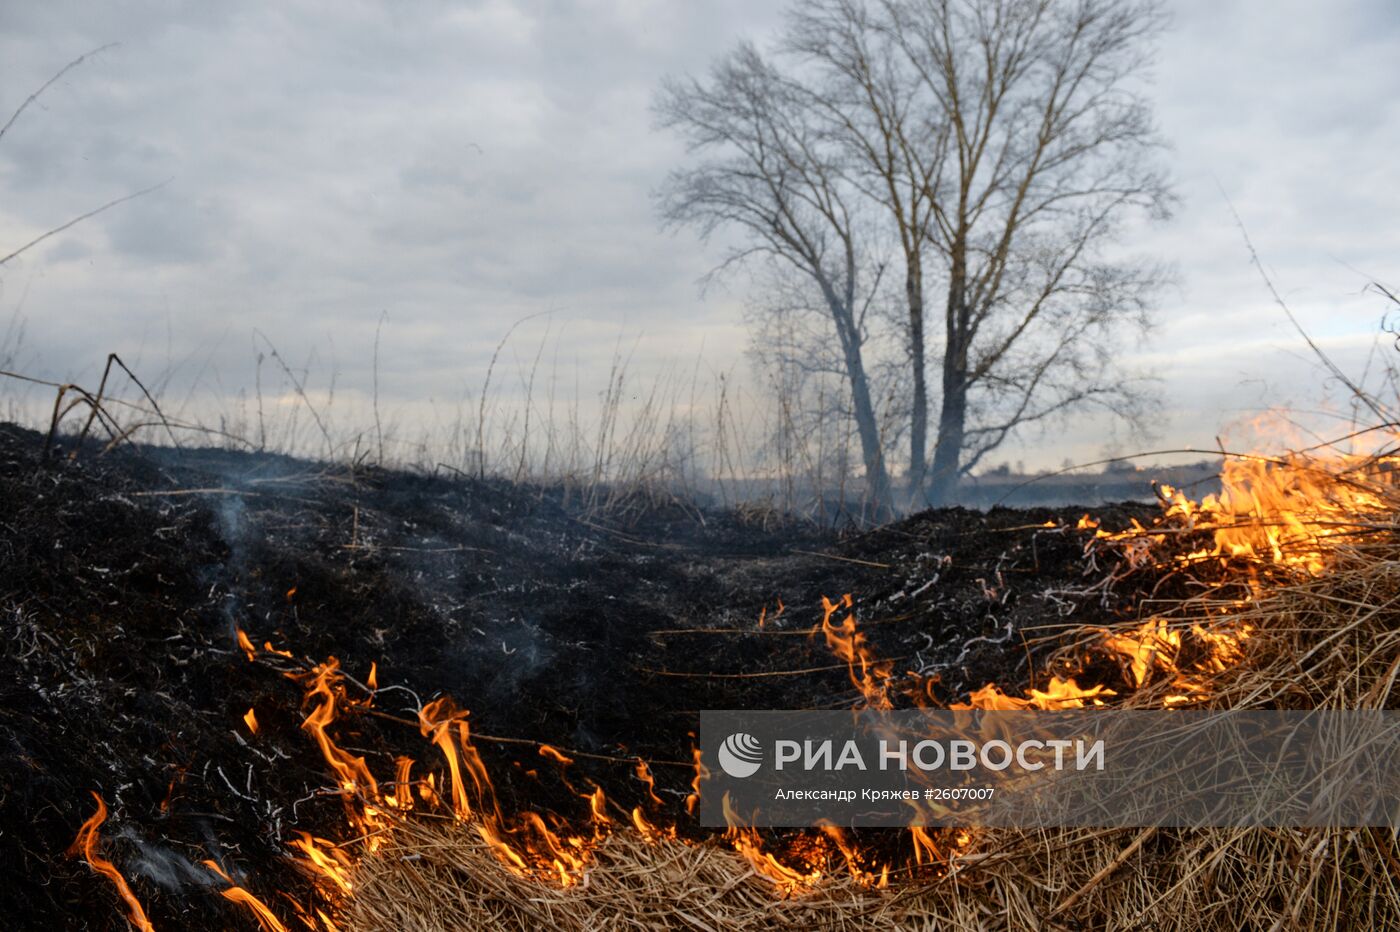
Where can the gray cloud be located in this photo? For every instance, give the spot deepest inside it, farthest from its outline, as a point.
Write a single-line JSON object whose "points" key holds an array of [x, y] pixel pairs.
{"points": [[462, 165]]}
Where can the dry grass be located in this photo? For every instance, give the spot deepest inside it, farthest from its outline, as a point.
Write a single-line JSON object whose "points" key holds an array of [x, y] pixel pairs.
{"points": [[1325, 640], [440, 876]]}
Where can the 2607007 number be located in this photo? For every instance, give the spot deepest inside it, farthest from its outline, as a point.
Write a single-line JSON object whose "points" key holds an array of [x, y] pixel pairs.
{"points": [[959, 792]]}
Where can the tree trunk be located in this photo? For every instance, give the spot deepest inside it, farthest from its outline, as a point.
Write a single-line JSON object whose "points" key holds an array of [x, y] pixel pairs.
{"points": [[918, 415], [952, 417], [876, 476], [947, 450]]}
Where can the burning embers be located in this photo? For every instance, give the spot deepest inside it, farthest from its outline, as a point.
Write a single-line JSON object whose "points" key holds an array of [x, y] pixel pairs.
{"points": [[1274, 516]]}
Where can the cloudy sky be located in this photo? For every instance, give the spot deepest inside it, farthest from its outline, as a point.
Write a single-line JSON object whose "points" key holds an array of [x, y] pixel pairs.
{"points": [[458, 166]]}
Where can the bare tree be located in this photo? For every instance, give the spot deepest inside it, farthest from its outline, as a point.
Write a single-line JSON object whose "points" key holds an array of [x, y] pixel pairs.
{"points": [[999, 147], [766, 170], [1050, 149], [873, 104]]}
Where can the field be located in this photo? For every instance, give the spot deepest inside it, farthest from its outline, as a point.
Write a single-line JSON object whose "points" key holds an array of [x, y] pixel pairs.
{"points": [[364, 698]]}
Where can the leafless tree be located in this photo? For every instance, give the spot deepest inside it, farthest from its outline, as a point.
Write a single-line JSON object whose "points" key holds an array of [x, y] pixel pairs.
{"points": [[764, 168], [1000, 147], [872, 104], [1051, 148]]}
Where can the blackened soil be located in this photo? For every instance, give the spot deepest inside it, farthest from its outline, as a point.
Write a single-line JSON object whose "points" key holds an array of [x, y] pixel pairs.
{"points": [[123, 578]]}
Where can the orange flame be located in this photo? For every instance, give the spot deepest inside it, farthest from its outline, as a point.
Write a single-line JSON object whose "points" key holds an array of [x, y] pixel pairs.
{"points": [[236, 894], [850, 645], [854, 859], [702, 773], [925, 851], [648, 829], [245, 644], [644, 774], [598, 806], [529, 847], [86, 844], [327, 860], [552, 753], [1059, 694], [403, 785], [353, 773], [749, 844]]}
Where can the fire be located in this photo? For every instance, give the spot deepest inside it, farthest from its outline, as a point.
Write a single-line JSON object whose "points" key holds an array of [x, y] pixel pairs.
{"points": [[552, 753], [1291, 510], [1151, 647], [1059, 694], [647, 829], [323, 686], [265, 917], [749, 844], [644, 774], [246, 645], [1273, 513], [855, 861], [86, 845], [1286, 511], [848, 644], [403, 784], [527, 846], [702, 773], [328, 861], [598, 806], [925, 851]]}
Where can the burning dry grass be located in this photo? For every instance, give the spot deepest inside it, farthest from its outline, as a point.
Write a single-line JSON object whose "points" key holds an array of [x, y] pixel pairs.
{"points": [[1302, 614], [438, 876]]}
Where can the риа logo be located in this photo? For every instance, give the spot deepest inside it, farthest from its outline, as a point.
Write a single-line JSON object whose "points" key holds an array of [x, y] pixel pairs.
{"points": [[740, 755]]}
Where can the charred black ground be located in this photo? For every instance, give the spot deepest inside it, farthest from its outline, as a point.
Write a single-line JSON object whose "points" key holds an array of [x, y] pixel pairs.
{"points": [[122, 578]]}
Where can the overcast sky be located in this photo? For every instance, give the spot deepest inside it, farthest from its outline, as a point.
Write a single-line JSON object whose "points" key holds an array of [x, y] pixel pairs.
{"points": [[462, 165]]}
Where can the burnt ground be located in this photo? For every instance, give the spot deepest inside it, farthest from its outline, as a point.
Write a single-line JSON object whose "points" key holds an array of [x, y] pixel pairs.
{"points": [[122, 578]]}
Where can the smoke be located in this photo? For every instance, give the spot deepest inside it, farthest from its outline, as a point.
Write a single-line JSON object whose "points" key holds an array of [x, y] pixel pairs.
{"points": [[162, 866]]}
